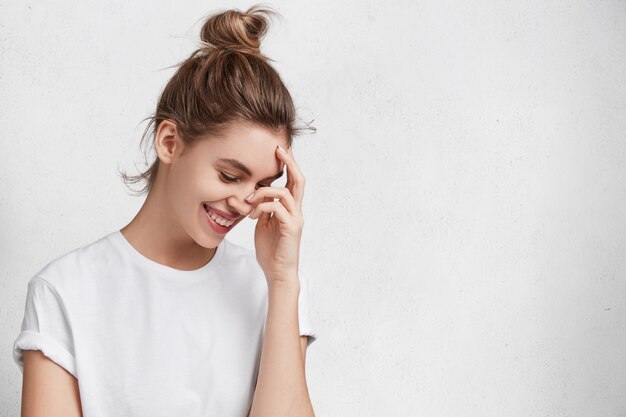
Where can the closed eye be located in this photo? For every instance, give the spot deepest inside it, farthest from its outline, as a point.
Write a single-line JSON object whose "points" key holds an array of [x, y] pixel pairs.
{"points": [[227, 178]]}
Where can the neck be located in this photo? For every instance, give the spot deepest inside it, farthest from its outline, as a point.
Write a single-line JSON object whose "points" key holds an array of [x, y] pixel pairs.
{"points": [[157, 235]]}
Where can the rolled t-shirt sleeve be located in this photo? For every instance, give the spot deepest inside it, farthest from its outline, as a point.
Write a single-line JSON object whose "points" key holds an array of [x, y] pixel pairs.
{"points": [[45, 327], [304, 311]]}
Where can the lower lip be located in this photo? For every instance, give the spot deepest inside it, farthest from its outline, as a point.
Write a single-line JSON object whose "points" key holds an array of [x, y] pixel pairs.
{"points": [[217, 227]]}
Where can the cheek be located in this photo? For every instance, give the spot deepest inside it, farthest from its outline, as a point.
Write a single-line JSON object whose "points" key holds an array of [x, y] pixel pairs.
{"points": [[183, 186], [210, 188], [189, 185]]}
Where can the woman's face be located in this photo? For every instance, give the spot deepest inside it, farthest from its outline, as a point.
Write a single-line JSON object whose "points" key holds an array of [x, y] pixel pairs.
{"points": [[202, 178]]}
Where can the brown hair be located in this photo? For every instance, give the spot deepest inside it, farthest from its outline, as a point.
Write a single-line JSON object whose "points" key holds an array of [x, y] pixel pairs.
{"points": [[227, 79]]}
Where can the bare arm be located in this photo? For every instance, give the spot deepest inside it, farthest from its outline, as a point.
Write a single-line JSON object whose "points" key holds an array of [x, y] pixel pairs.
{"points": [[281, 389], [48, 389], [304, 342]]}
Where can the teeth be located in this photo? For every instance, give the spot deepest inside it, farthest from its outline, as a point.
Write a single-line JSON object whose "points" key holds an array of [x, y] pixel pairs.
{"points": [[220, 220]]}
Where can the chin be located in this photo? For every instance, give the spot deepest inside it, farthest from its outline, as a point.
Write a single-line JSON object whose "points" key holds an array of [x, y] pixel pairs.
{"points": [[208, 242]]}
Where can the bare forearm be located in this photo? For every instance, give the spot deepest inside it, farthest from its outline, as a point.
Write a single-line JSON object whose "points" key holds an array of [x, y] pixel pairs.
{"points": [[281, 389]]}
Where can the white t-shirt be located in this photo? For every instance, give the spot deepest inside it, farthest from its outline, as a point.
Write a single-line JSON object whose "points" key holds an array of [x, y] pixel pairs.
{"points": [[145, 339]]}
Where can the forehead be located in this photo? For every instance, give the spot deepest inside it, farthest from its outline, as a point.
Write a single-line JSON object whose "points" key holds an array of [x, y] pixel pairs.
{"points": [[249, 135], [253, 145]]}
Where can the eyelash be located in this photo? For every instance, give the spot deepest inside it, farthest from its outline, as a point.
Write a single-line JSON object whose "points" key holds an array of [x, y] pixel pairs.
{"points": [[226, 178]]}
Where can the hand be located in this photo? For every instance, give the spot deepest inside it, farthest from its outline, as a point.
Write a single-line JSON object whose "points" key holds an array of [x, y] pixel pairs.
{"points": [[279, 229]]}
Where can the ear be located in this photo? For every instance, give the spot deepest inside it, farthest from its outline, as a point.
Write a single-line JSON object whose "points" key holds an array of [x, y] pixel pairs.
{"points": [[167, 144]]}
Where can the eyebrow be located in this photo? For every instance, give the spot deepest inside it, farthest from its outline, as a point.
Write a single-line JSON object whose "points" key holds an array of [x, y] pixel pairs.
{"points": [[241, 167]]}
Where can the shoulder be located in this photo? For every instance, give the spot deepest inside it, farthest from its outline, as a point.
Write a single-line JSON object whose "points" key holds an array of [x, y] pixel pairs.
{"points": [[69, 269], [238, 256], [242, 272], [237, 251]]}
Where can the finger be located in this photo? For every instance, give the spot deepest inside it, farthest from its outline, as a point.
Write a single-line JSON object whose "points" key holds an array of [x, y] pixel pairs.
{"points": [[254, 213], [264, 218], [280, 212], [271, 192], [295, 178]]}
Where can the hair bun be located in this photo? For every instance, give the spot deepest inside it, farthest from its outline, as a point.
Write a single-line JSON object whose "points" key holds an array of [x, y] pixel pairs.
{"points": [[236, 30]]}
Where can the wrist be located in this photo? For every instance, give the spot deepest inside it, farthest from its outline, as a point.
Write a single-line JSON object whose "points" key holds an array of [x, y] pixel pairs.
{"points": [[284, 283]]}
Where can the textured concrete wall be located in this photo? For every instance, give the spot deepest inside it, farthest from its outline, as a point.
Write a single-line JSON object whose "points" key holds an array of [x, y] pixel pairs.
{"points": [[466, 195]]}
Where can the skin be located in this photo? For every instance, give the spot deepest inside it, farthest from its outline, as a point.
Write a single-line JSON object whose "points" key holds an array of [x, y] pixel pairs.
{"points": [[171, 229], [48, 389]]}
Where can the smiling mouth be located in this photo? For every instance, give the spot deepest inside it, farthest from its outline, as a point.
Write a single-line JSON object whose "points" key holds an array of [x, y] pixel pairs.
{"points": [[219, 219]]}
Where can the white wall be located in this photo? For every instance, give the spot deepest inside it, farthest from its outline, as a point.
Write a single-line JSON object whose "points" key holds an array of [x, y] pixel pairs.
{"points": [[465, 216]]}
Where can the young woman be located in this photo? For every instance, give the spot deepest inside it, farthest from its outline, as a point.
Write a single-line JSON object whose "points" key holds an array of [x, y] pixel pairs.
{"points": [[165, 317]]}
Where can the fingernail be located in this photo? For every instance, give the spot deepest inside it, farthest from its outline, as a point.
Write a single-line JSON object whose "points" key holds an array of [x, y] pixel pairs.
{"points": [[281, 149], [249, 197]]}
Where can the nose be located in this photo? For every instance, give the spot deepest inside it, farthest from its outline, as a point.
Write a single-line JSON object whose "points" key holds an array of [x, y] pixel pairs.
{"points": [[239, 202]]}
